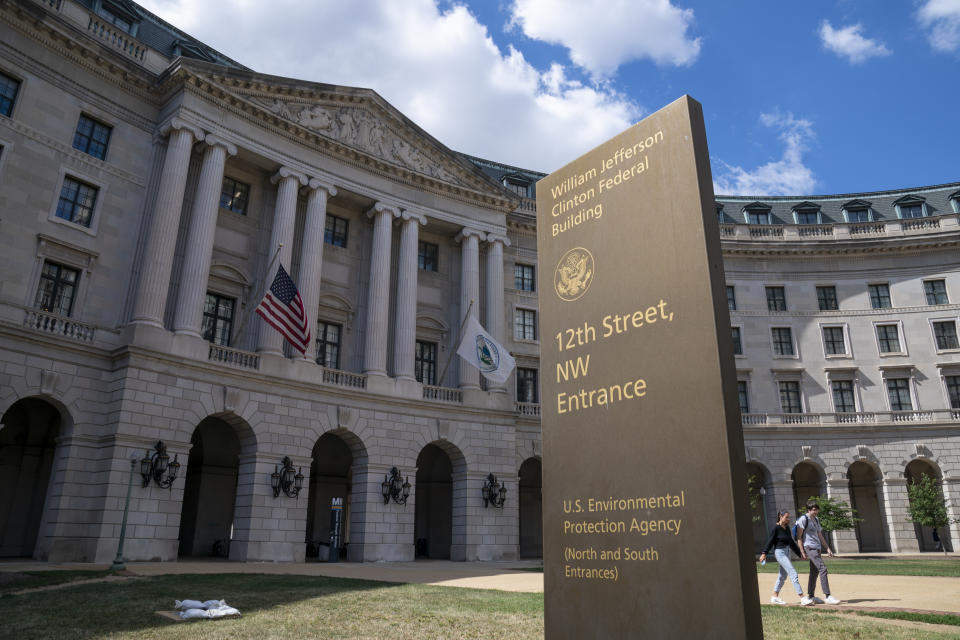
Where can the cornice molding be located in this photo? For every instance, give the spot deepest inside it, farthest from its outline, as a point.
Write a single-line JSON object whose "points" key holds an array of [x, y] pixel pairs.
{"points": [[833, 315]]}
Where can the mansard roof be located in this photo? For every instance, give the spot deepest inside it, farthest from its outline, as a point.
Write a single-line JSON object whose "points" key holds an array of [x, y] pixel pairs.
{"points": [[806, 205]]}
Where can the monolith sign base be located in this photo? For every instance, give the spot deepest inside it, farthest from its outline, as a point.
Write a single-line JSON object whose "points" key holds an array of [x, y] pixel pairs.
{"points": [[646, 522]]}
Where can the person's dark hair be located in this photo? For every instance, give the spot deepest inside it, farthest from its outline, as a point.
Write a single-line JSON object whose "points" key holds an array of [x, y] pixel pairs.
{"points": [[812, 504]]}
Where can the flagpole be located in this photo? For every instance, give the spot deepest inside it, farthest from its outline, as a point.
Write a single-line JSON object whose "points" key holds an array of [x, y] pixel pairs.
{"points": [[459, 339], [256, 298]]}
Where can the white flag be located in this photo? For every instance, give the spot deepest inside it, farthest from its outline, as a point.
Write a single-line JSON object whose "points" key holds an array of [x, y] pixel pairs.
{"points": [[480, 349]]}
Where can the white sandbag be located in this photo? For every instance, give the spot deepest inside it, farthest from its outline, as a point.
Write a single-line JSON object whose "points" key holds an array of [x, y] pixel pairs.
{"points": [[188, 604], [194, 613], [212, 604], [220, 612]]}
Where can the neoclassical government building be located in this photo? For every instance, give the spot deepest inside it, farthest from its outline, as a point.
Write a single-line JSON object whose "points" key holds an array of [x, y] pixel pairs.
{"points": [[150, 186]]}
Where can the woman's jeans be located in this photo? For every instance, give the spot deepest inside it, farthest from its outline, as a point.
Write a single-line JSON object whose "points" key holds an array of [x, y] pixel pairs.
{"points": [[786, 569]]}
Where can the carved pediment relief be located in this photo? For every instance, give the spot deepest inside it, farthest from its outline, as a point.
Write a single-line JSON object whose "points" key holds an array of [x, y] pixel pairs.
{"points": [[358, 128]]}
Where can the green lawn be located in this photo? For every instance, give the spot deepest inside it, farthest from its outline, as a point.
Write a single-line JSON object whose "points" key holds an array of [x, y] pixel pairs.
{"points": [[933, 566], [32, 579], [300, 607]]}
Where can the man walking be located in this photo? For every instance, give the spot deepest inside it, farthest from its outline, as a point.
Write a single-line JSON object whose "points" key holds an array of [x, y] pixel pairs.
{"points": [[810, 537]]}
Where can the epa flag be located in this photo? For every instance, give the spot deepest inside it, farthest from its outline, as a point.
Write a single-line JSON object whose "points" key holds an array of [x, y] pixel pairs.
{"points": [[480, 349], [282, 308]]}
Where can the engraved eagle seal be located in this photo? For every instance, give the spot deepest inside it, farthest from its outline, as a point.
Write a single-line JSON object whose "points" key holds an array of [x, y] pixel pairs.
{"points": [[574, 274]]}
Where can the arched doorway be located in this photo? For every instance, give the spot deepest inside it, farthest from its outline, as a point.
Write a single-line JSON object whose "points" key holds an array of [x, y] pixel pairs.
{"points": [[913, 473], [433, 519], [865, 500], [330, 479], [28, 433], [206, 522], [531, 509], [758, 488], [808, 481]]}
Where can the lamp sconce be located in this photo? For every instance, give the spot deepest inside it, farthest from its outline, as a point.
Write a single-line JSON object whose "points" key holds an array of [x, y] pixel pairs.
{"points": [[158, 466], [287, 479], [396, 487], [493, 492]]}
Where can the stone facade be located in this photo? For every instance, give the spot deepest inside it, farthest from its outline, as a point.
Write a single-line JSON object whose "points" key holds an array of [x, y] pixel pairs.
{"points": [[113, 334]]}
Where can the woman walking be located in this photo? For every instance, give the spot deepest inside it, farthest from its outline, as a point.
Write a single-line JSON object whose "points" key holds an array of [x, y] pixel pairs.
{"points": [[782, 542]]}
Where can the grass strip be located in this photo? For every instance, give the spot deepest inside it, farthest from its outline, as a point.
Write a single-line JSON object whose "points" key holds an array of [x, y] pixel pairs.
{"points": [[929, 618], [945, 567], [17, 581]]}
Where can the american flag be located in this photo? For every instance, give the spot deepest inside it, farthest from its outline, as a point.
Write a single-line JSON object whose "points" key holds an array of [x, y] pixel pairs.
{"points": [[282, 308]]}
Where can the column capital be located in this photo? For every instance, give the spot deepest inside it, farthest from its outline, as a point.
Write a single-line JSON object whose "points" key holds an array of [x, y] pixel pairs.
{"points": [[216, 141], [496, 237], [384, 207], [406, 214], [287, 172], [176, 122], [315, 184], [467, 232]]}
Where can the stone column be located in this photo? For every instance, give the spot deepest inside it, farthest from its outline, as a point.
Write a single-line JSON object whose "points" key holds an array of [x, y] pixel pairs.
{"points": [[284, 218], [195, 270], [154, 280], [951, 493], [378, 293], [843, 541], [311, 255], [895, 509], [405, 334], [495, 294], [469, 240]]}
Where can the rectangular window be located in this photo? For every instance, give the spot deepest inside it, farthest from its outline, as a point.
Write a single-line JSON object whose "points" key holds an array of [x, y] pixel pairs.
{"points": [[731, 298], [790, 396], [827, 298], [744, 398], [92, 137], [427, 253], [834, 342], [234, 196], [77, 200], [807, 217], [57, 288], [737, 343], [757, 217], [524, 277], [335, 232], [888, 337], [880, 296], [116, 20], [525, 324], [9, 87], [328, 344], [858, 215], [527, 385], [898, 390], [843, 401], [425, 363], [911, 211], [945, 334], [782, 341], [218, 319], [953, 390], [776, 299], [936, 291]]}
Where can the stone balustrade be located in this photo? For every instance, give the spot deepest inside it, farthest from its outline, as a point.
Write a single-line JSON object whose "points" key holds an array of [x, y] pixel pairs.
{"points": [[342, 378], [929, 416], [527, 409], [443, 394], [58, 325], [838, 230], [233, 357], [116, 38]]}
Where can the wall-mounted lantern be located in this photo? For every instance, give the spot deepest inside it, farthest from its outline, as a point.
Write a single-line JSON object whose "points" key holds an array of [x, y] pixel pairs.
{"points": [[396, 487], [493, 493], [287, 479], [159, 467]]}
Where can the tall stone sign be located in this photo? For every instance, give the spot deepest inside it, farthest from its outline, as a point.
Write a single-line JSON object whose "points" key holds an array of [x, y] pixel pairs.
{"points": [[647, 530]]}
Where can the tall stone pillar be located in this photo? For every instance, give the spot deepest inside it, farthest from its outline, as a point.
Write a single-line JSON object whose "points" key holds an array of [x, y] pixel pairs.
{"points": [[284, 218], [843, 541], [495, 294], [469, 240], [195, 270], [154, 280], [378, 293], [405, 333], [895, 510], [311, 255]]}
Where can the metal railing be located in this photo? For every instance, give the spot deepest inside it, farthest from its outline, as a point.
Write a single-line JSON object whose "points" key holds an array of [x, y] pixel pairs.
{"points": [[443, 394], [58, 325], [233, 357]]}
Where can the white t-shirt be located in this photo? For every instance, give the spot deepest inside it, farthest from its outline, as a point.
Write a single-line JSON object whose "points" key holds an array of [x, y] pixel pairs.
{"points": [[811, 531]]}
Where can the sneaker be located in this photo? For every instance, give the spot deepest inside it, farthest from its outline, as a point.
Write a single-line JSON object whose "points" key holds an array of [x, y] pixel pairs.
{"points": [[817, 600], [777, 600], [806, 601], [832, 600]]}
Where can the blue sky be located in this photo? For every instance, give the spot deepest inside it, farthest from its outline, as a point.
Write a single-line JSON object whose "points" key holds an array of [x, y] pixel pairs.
{"points": [[800, 98]]}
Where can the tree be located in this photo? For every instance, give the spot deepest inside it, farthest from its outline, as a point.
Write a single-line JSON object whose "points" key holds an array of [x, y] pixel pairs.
{"points": [[928, 507], [835, 515], [756, 500]]}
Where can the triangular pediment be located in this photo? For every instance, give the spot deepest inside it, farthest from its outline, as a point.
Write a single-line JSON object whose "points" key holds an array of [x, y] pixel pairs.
{"points": [[857, 204], [910, 200], [358, 120], [806, 206], [757, 206]]}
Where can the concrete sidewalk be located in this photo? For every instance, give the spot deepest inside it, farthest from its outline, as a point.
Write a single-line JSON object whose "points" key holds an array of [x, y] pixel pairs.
{"points": [[856, 591]]}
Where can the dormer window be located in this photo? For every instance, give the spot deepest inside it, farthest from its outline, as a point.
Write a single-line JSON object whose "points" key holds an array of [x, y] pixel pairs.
{"points": [[518, 185], [857, 211], [955, 201], [757, 213], [720, 217], [119, 14], [910, 207], [806, 213]]}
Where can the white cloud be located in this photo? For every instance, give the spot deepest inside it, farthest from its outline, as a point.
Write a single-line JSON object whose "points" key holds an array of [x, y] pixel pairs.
{"points": [[440, 68], [850, 44], [786, 176], [601, 35], [941, 18]]}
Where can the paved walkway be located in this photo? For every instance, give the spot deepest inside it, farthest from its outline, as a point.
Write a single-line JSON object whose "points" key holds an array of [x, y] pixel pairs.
{"points": [[874, 592]]}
